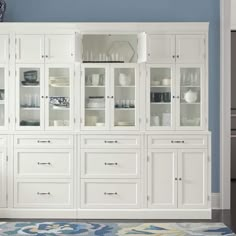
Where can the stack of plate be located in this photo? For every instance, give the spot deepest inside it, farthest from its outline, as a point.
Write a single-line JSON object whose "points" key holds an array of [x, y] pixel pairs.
{"points": [[59, 81]]}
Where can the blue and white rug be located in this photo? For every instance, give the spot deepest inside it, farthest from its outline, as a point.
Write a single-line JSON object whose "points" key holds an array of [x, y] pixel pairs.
{"points": [[110, 229]]}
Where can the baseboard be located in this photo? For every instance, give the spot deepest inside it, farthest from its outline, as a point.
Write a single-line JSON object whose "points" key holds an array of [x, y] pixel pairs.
{"points": [[215, 201]]}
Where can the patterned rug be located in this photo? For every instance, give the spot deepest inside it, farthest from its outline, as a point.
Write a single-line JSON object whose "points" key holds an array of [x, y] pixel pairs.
{"points": [[110, 229]]}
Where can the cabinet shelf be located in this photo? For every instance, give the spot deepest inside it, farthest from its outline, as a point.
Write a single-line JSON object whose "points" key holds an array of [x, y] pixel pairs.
{"points": [[95, 109], [2, 102], [193, 103], [56, 108], [160, 86], [59, 86], [95, 86], [190, 86], [160, 103], [30, 86], [126, 86], [30, 108], [124, 109]]}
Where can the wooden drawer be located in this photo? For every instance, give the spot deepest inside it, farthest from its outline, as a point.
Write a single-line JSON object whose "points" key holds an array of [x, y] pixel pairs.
{"points": [[43, 163], [43, 194], [3, 141], [110, 141], [48, 141], [110, 194], [110, 163], [177, 141]]}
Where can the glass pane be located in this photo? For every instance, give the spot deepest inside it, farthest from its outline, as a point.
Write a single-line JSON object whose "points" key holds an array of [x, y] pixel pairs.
{"points": [[30, 96], [2, 97], [59, 97], [125, 97], [190, 97], [95, 110], [160, 97]]}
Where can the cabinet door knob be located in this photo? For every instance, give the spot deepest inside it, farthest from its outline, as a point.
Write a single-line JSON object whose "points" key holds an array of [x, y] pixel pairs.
{"points": [[176, 178], [110, 163], [106, 193], [48, 193], [177, 56], [180, 179], [44, 163], [173, 56]]}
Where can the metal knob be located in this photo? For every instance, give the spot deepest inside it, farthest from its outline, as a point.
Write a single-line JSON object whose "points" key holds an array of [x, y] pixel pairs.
{"points": [[105, 193], [48, 193], [180, 179]]}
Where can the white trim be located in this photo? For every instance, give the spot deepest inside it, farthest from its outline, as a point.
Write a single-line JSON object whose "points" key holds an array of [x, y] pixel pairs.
{"points": [[106, 214], [225, 107], [215, 201]]}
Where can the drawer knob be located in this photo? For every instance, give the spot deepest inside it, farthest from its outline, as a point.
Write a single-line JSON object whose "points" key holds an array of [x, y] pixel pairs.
{"points": [[180, 179], [105, 193], [43, 141], [176, 178], [44, 163], [48, 193], [110, 163], [110, 141], [177, 141]]}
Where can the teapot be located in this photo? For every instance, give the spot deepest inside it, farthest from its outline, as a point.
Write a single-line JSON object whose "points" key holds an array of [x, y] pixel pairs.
{"points": [[190, 96]]}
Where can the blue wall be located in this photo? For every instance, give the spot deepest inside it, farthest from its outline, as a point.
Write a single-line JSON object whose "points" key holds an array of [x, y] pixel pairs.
{"points": [[138, 10]]}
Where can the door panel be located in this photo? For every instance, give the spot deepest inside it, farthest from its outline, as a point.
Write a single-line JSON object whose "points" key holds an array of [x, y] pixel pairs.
{"points": [[29, 48], [59, 48], [161, 49], [125, 97], [4, 48], [3, 179], [190, 48], [29, 97], [162, 179], [161, 91], [95, 102], [192, 183]]}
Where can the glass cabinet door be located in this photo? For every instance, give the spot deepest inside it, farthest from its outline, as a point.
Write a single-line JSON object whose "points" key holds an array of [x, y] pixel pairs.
{"points": [[29, 97], [59, 97], [190, 99], [94, 99], [160, 109], [124, 100], [3, 97]]}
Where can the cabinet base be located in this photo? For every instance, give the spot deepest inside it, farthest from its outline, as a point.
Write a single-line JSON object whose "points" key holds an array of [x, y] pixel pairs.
{"points": [[135, 214]]}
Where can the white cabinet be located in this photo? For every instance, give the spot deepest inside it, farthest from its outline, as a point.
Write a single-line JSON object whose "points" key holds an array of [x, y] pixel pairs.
{"points": [[176, 97], [47, 101], [4, 52], [192, 173], [29, 48], [190, 49], [59, 48], [109, 97], [162, 178], [3, 177], [39, 48], [178, 178], [176, 48], [161, 48]]}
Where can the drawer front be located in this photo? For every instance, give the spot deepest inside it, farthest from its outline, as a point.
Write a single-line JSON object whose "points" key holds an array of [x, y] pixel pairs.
{"points": [[110, 141], [35, 194], [48, 141], [177, 141], [43, 163], [115, 163], [110, 194], [3, 141]]}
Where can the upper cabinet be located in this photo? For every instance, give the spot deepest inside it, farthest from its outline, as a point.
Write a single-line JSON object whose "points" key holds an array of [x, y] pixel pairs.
{"points": [[35, 48], [176, 49], [4, 52]]}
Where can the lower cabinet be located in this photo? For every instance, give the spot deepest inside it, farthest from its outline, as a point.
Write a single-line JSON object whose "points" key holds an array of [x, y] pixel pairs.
{"points": [[3, 177], [177, 178]]}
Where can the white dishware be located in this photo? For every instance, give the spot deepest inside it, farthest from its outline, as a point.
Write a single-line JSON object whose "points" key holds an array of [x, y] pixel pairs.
{"points": [[124, 80], [156, 82], [165, 82], [91, 120], [190, 96], [58, 122], [166, 119], [100, 124], [155, 120], [95, 79]]}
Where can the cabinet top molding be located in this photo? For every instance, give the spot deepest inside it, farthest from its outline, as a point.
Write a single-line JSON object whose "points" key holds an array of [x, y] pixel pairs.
{"points": [[109, 27]]}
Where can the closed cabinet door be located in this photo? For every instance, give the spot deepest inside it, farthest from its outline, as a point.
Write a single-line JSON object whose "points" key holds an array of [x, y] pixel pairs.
{"points": [[95, 99], [162, 178], [59, 48], [30, 48], [161, 49], [192, 178], [29, 97], [160, 97], [59, 97], [4, 42], [124, 97], [3, 97], [190, 48], [3, 179], [190, 97]]}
